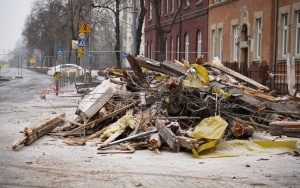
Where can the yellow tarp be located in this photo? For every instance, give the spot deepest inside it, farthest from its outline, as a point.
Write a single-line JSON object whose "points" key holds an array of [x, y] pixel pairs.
{"points": [[236, 148], [211, 129]]}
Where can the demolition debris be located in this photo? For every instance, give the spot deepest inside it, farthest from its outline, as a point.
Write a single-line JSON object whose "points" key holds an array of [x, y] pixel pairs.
{"points": [[180, 105]]}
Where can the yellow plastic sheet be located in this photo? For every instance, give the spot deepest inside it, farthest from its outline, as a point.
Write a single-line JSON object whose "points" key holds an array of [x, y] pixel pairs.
{"points": [[211, 129], [236, 148]]}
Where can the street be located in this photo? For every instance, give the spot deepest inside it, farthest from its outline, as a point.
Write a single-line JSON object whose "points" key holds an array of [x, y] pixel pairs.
{"points": [[48, 162]]}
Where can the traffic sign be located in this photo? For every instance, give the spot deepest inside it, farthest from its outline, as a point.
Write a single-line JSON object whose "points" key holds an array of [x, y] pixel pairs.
{"points": [[81, 35], [81, 42], [84, 28], [60, 53], [124, 55], [80, 52]]}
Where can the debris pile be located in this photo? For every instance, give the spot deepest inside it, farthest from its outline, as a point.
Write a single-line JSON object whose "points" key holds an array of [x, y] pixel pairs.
{"points": [[178, 105]]}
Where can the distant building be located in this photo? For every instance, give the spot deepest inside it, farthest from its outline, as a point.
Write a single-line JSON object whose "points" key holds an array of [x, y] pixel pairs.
{"points": [[126, 31]]}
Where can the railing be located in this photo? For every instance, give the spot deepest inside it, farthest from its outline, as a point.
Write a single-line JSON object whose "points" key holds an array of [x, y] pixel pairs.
{"points": [[263, 76]]}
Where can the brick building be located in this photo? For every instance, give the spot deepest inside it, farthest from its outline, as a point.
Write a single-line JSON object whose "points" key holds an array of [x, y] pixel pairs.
{"points": [[188, 37]]}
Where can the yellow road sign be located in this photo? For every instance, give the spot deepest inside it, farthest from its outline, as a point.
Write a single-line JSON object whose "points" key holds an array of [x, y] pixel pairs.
{"points": [[80, 52], [84, 28]]}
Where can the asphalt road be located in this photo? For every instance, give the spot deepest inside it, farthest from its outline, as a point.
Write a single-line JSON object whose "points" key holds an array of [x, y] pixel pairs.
{"points": [[50, 163]]}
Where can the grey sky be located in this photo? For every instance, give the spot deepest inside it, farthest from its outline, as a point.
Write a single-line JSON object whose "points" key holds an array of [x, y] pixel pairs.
{"points": [[13, 14]]}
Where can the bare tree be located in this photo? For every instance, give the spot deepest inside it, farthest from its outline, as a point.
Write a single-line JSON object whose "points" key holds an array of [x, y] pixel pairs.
{"points": [[114, 7], [140, 25], [160, 29]]}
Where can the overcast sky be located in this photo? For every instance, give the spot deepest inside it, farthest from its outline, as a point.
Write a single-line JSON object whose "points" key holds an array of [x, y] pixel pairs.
{"points": [[13, 14]]}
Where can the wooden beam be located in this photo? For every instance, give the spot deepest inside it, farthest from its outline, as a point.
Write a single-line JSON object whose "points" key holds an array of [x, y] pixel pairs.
{"points": [[37, 130], [218, 65], [167, 135], [100, 119]]}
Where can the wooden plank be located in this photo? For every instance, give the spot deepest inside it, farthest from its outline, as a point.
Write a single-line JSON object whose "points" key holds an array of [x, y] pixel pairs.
{"points": [[100, 119], [137, 69], [218, 65], [288, 128], [167, 67], [167, 135], [190, 143], [37, 130]]}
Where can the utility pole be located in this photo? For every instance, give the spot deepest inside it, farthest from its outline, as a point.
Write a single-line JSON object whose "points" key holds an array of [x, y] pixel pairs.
{"points": [[134, 12]]}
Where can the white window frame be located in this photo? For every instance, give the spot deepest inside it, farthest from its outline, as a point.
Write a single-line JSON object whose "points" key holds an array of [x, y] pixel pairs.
{"points": [[166, 42], [186, 47], [150, 12], [172, 48], [162, 7], [167, 6], [297, 34], [178, 48], [172, 6], [258, 39], [220, 45], [284, 35], [213, 43], [199, 43], [234, 42]]}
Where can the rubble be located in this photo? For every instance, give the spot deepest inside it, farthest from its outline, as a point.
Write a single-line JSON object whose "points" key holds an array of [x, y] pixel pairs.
{"points": [[179, 105]]}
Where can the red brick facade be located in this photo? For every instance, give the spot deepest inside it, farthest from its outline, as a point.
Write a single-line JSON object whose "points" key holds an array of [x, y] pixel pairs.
{"points": [[245, 31], [192, 20]]}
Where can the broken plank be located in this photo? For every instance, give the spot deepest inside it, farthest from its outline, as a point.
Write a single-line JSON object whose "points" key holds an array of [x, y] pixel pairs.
{"points": [[218, 65], [37, 130], [288, 128], [100, 119], [190, 143], [167, 135]]}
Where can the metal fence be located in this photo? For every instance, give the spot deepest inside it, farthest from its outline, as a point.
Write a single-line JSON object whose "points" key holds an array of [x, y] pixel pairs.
{"points": [[279, 76]]}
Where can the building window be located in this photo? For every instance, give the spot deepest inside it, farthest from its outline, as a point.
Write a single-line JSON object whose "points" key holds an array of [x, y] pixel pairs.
{"points": [[150, 10], [297, 34], [234, 42], [162, 7], [172, 47], [199, 43], [187, 3], [167, 6], [220, 44], [166, 42], [178, 48], [172, 6], [258, 38], [284, 35], [151, 52], [186, 49], [213, 44]]}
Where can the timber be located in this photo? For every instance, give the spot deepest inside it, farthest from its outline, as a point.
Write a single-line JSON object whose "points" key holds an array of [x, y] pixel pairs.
{"points": [[167, 135], [218, 65], [37, 130], [287, 128]]}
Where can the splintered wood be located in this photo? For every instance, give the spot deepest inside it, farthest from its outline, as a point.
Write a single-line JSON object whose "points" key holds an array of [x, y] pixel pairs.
{"points": [[37, 130], [159, 104]]}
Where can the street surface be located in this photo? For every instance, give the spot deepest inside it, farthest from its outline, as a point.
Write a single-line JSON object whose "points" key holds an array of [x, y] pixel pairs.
{"points": [[50, 163]]}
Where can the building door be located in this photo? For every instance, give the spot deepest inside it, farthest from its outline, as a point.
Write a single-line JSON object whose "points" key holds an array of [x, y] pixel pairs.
{"points": [[244, 50]]}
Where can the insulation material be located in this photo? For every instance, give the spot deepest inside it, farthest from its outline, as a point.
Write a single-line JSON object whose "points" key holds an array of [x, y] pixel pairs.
{"points": [[120, 125]]}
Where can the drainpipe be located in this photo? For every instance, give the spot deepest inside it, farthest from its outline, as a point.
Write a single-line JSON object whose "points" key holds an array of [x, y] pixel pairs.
{"points": [[274, 45]]}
